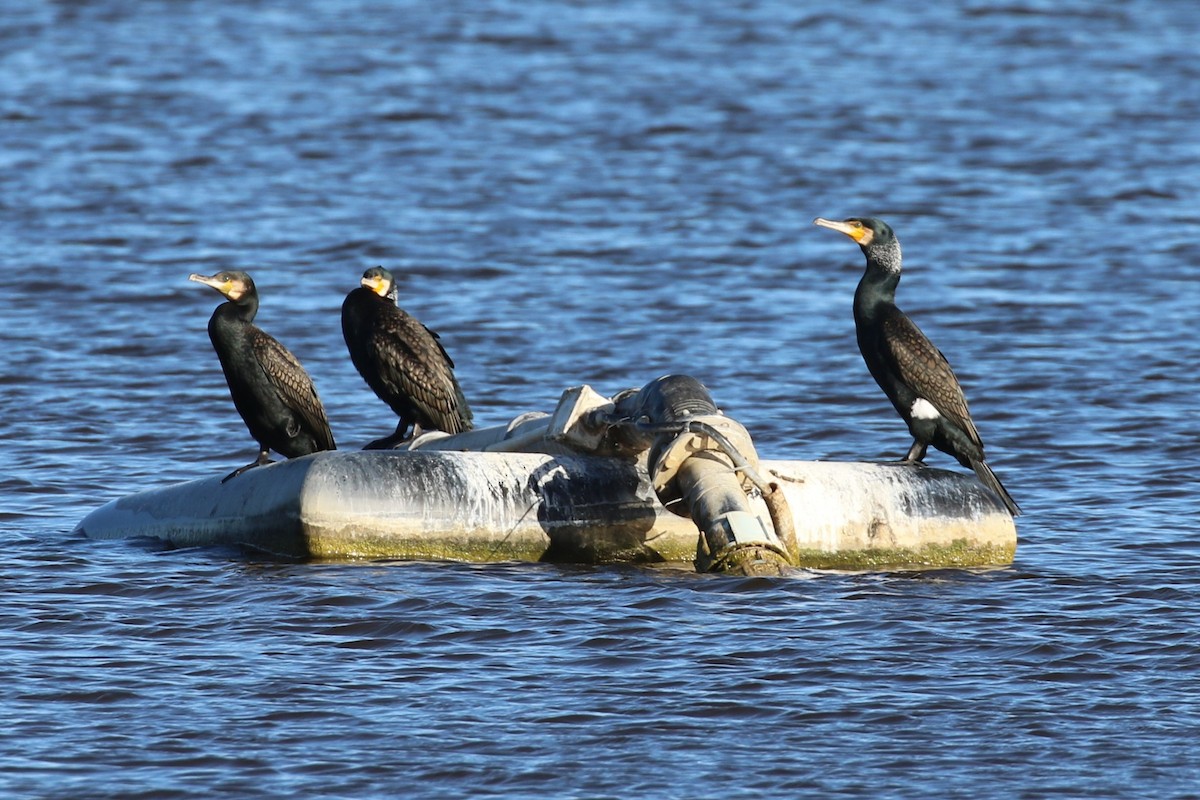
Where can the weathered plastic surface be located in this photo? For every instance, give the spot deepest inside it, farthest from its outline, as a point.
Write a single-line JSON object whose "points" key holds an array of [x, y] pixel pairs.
{"points": [[487, 506]]}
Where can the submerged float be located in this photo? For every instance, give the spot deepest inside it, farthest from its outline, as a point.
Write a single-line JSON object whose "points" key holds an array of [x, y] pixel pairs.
{"points": [[653, 475]]}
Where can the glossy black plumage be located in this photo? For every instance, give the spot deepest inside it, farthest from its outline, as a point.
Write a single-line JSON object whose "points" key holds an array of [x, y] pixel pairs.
{"points": [[270, 389], [912, 372], [402, 361]]}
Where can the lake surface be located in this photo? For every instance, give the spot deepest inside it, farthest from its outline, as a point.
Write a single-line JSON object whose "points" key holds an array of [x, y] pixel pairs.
{"points": [[576, 193]]}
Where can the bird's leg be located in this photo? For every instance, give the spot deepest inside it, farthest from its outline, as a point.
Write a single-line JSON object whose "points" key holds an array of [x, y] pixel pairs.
{"points": [[389, 442], [263, 458], [916, 453]]}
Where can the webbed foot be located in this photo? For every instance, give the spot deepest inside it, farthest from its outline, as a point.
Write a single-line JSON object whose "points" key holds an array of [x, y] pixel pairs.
{"points": [[915, 454], [263, 458], [386, 443]]}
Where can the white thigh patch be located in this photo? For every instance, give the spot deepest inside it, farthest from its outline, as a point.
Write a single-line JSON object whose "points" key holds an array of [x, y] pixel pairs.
{"points": [[923, 409]]}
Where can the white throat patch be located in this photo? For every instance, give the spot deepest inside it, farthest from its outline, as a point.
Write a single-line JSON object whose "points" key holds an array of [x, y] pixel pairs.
{"points": [[923, 409]]}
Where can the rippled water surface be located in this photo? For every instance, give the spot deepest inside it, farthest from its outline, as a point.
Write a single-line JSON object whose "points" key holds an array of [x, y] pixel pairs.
{"points": [[603, 193]]}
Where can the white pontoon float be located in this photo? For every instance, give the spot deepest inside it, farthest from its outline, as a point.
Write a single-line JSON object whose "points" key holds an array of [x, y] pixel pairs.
{"points": [[651, 475]]}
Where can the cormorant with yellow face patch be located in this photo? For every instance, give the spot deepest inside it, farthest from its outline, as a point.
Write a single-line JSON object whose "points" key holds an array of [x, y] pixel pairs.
{"points": [[271, 391], [402, 361], [912, 372]]}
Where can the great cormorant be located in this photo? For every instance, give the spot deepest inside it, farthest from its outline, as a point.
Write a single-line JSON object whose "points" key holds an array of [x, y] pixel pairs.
{"points": [[402, 361], [270, 389], [912, 372]]}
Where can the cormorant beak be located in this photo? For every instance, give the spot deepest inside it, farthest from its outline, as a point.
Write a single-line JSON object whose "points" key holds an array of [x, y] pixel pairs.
{"points": [[855, 230], [226, 287], [375, 284]]}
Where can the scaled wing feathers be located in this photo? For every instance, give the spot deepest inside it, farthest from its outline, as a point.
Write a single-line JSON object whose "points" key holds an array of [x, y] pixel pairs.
{"points": [[296, 388], [422, 371], [927, 372]]}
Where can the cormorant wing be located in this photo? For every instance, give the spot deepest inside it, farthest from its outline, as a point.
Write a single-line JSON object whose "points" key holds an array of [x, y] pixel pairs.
{"points": [[437, 339], [295, 387], [419, 368], [926, 371]]}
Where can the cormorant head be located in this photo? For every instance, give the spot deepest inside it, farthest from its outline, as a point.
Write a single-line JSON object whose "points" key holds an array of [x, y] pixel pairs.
{"points": [[233, 285], [381, 282], [873, 235]]}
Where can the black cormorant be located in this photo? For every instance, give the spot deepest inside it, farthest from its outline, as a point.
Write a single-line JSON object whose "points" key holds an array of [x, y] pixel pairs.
{"points": [[912, 372], [402, 361], [270, 389]]}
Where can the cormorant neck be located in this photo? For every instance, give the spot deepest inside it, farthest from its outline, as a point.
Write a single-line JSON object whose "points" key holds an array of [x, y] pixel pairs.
{"points": [[367, 294], [244, 309], [877, 287], [884, 258]]}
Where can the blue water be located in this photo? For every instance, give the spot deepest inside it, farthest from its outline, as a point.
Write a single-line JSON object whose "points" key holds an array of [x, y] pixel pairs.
{"points": [[597, 193]]}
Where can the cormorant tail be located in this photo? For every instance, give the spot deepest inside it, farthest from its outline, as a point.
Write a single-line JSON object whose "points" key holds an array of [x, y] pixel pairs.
{"points": [[989, 479]]}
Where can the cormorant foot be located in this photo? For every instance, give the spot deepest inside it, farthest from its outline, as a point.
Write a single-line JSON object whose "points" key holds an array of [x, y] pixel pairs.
{"points": [[905, 462], [262, 459], [386, 443], [915, 454], [240, 470]]}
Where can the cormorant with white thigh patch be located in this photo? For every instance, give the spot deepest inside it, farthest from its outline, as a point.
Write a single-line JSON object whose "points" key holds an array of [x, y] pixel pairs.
{"points": [[912, 372]]}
